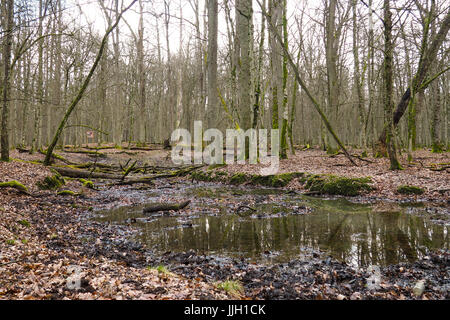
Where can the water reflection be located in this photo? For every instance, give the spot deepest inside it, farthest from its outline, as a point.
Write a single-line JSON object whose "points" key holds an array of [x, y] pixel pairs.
{"points": [[351, 233], [357, 238]]}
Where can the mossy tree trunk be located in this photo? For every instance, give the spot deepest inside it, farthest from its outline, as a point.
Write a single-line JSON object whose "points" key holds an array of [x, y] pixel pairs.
{"points": [[293, 109], [275, 63], [284, 126], [389, 87], [8, 12], [359, 79], [331, 46], [437, 146], [258, 85]]}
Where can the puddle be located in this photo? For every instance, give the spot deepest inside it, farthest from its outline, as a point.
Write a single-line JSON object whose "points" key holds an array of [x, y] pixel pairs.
{"points": [[281, 229]]}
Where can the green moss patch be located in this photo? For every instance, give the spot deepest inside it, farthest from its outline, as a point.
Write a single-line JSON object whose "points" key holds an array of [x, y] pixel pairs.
{"points": [[87, 183], [51, 182], [15, 185], [201, 176], [334, 185], [275, 181], [410, 190], [239, 178], [24, 223], [67, 193], [321, 184]]}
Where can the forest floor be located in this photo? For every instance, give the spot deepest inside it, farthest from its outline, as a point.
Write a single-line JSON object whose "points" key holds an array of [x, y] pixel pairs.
{"points": [[44, 235]]}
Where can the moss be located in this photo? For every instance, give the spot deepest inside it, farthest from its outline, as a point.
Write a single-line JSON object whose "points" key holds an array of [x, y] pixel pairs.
{"points": [[395, 165], [11, 242], [26, 161], [379, 155], [285, 178], [334, 185], [67, 193], [51, 182], [14, 184], [87, 183], [162, 270], [239, 178], [216, 166], [275, 181], [221, 174], [410, 190], [231, 287], [53, 236], [437, 148], [24, 223], [201, 176]]}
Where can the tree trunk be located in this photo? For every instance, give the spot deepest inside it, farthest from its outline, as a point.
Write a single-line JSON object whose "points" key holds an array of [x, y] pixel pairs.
{"points": [[258, 86], [358, 79], [389, 87], [212, 63], [7, 48], [243, 27], [331, 46], [275, 63]]}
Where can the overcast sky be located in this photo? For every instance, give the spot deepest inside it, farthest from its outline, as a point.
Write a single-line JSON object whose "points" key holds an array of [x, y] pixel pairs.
{"points": [[93, 15]]}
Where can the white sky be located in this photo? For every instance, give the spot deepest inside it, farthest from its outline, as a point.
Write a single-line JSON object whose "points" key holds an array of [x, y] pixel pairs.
{"points": [[93, 15]]}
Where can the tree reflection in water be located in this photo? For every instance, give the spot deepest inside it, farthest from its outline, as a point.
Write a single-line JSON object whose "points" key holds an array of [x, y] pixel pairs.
{"points": [[358, 238]]}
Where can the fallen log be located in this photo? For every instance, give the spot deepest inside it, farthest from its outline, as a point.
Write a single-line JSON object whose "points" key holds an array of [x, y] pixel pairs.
{"points": [[75, 173], [84, 174], [56, 156], [23, 150], [158, 207], [144, 180], [149, 179], [87, 152], [14, 185]]}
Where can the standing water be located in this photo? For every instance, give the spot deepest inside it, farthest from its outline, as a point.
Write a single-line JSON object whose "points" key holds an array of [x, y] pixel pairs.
{"points": [[279, 227]]}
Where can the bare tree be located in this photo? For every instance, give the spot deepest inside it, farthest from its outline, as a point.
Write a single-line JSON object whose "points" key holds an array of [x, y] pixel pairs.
{"points": [[8, 18], [212, 61]]}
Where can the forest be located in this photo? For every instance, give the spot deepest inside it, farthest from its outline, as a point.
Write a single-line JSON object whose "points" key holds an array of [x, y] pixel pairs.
{"points": [[94, 94]]}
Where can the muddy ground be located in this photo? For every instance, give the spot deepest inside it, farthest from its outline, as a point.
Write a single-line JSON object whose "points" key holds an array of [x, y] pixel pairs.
{"points": [[43, 235]]}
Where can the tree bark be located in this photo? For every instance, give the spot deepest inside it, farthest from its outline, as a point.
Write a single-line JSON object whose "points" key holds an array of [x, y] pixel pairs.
{"points": [[389, 86], [212, 62], [243, 27], [7, 48]]}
